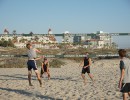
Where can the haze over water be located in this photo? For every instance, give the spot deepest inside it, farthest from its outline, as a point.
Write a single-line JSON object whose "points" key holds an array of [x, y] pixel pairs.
{"points": [[122, 41]]}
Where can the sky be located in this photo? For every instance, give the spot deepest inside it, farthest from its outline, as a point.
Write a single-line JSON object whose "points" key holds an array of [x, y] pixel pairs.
{"points": [[75, 16]]}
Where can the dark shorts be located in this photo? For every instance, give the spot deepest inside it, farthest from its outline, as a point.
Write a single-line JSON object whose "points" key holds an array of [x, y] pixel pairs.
{"points": [[44, 70], [84, 70], [31, 65], [125, 88]]}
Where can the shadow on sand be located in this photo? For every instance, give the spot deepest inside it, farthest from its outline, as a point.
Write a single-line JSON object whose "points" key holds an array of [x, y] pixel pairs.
{"points": [[16, 77], [23, 92]]}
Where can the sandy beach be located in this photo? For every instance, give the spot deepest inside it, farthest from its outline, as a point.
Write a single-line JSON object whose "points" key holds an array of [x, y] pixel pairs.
{"points": [[65, 84]]}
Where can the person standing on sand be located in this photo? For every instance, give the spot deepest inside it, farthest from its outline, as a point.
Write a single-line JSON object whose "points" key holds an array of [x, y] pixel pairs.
{"points": [[124, 82], [45, 68], [86, 67], [32, 63]]}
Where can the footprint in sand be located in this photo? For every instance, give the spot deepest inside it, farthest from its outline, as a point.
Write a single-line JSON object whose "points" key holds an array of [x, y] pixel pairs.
{"points": [[111, 93]]}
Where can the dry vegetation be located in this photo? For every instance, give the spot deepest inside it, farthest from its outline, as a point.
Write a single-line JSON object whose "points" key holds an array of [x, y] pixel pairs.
{"points": [[13, 62], [56, 63], [20, 61]]}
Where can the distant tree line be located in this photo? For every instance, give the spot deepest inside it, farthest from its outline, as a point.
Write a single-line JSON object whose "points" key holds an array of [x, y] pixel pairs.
{"points": [[5, 43]]}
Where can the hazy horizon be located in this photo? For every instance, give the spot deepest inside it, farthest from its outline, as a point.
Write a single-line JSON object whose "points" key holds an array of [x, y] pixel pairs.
{"points": [[122, 41]]}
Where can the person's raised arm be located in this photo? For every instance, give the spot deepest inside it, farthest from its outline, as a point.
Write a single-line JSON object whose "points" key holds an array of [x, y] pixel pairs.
{"points": [[38, 58], [40, 53], [38, 50]]}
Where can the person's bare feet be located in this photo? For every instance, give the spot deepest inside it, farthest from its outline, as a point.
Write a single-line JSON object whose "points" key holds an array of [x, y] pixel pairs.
{"points": [[30, 84], [41, 85]]}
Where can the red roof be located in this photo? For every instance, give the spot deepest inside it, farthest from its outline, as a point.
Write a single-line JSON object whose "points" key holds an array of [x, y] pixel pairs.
{"points": [[6, 31], [49, 30]]}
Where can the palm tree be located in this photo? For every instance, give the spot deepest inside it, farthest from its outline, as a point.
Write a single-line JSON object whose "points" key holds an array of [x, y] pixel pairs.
{"points": [[14, 32], [36, 38], [15, 39], [114, 45], [31, 33], [22, 40], [107, 45], [10, 43]]}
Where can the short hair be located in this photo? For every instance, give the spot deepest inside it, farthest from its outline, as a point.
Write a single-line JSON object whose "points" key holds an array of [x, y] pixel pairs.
{"points": [[28, 45], [122, 52]]}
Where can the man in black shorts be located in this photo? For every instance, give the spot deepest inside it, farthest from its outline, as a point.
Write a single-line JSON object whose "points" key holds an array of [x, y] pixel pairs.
{"points": [[86, 67]]}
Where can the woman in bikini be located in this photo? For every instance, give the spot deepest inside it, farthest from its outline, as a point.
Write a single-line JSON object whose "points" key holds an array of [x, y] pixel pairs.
{"points": [[45, 68]]}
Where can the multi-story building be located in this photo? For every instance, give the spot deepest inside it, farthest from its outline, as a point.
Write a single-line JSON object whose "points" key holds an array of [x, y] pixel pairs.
{"points": [[105, 39], [67, 37], [99, 39]]}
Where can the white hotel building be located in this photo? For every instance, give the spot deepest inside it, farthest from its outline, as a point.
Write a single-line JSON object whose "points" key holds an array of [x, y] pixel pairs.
{"points": [[99, 39], [20, 41]]}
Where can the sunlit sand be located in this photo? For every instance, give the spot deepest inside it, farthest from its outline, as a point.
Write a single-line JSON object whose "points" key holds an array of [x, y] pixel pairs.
{"points": [[65, 83]]}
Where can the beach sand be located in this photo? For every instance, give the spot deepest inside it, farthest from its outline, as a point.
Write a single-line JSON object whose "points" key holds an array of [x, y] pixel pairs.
{"points": [[65, 84]]}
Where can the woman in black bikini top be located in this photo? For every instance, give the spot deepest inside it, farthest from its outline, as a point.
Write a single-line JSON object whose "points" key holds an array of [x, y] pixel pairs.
{"points": [[45, 68]]}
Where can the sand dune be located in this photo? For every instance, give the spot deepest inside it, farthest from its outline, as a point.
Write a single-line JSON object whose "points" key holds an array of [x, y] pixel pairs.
{"points": [[65, 84]]}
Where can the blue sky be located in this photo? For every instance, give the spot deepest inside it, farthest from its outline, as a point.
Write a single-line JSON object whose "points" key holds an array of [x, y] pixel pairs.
{"points": [[75, 16]]}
